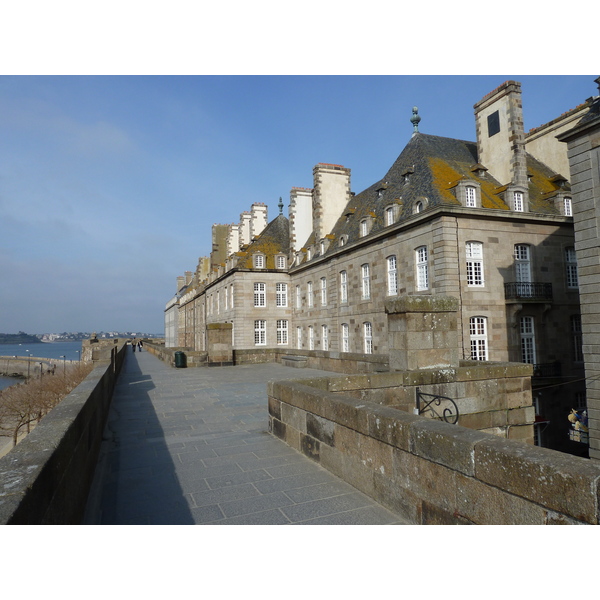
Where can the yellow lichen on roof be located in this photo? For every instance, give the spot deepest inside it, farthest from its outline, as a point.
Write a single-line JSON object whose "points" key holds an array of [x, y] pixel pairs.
{"points": [[445, 177]]}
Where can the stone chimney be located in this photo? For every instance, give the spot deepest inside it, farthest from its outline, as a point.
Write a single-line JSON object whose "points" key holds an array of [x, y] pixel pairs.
{"points": [[330, 197], [300, 216], [501, 134], [258, 221], [233, 239], [245, 219], [188, 277], [203, 268], [180, 282], [219, 244]]}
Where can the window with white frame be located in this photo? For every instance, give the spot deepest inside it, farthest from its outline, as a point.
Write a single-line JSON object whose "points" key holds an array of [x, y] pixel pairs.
{"points": [[311, 337], [470, 196], [226, 298], [474, 252], [281, 294], [231, 295], [571, 265], [299, 337], [323, 291], [389, 215], [324, 337], [345, 337], [260, 332], [527, 340], [298, 296], [478, 338], [364, 228], [343, 287], [518, 201], [259, 261], [418, 207], [309, 254], [365, 282], [282, 332], [281, 262], [392, 276], [309, 294], [523, 267], [321, 247], [260, 294], [368, 337], [568, 207], [422, 265], [577, 338]]}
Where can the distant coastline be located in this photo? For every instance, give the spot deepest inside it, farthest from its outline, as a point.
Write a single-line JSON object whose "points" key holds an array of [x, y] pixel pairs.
{"points": [[19, 338]]}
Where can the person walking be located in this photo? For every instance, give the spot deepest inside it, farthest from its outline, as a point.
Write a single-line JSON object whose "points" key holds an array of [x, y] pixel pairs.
{"points": [[140, 345], [134, 343]]}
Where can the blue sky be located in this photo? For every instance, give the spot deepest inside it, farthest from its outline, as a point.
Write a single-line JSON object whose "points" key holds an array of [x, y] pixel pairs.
{"points": [[109, 185]]}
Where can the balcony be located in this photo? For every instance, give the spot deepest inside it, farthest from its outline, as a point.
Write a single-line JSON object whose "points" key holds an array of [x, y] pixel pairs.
{"points": [[547, 369], [527, 291]]}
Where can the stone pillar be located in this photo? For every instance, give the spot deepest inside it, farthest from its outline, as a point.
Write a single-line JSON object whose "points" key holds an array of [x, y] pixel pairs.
{"points": [[219, 344], [423, 332]]}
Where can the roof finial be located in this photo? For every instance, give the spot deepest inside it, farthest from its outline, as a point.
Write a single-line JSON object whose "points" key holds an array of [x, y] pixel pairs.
{"points": [[280, 205], [415, 119]]}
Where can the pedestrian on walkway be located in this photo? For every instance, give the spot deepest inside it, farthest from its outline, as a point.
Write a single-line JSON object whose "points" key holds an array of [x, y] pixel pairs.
{"points": [[140, 345], [134, 344]]}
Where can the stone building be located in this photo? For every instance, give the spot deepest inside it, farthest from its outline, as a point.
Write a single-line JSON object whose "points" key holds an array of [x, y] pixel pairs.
{"points": [[583, 141], [487, 222]]}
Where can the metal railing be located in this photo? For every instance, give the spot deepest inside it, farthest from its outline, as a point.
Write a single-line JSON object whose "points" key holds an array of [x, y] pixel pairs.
{"points": [[547, 369], [527, 290], [449, 412]]}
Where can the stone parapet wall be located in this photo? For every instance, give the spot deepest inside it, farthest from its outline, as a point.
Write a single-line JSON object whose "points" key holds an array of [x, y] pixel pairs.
{"points": [[336, 362], [428, 471], [492, 397], [46, 478], [193, 358]]}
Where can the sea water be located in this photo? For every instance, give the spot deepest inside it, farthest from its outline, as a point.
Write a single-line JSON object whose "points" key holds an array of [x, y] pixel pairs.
{"points": [[56, 350]]}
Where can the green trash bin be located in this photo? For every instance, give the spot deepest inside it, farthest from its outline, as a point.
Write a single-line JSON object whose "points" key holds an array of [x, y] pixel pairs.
{"points": [[180, 360]]}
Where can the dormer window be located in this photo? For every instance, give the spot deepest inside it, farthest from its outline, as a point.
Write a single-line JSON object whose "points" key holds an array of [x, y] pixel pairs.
{"points": [[567, 207], [406, 175], [470, 197], [364, 227], [308, 254], [418, 207], [342, 241], [322, 247], [517, 199], [259, 261], [468, 193], [280, 262], [518, 202], [390, 216]]}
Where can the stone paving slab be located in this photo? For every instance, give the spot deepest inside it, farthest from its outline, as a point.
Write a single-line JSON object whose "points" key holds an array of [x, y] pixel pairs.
{"points": [[191, 446]]}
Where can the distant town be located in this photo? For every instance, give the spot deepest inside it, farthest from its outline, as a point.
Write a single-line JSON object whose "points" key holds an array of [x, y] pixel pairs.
{"points": [[25, 338]]}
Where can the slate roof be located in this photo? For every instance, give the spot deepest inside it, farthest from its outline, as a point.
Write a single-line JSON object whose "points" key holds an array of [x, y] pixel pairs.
{"points": [[428, 170], [274, 239]]}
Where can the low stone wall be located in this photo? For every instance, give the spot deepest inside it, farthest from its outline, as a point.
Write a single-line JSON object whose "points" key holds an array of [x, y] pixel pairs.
{"points": [[193, 358], [22, 367], [491, 397], [45, 479], [336, 362], [428, 471]]}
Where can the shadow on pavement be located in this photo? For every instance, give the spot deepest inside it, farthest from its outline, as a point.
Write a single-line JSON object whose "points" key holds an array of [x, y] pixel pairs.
{"points": [[135, 481]]}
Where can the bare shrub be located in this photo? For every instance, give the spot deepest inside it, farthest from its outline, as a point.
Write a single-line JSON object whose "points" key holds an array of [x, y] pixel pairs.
{"points": [[28, 402]]}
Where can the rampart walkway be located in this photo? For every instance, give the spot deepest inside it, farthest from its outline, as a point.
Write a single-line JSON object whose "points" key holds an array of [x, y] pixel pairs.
{"points": [[191, 446]]}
